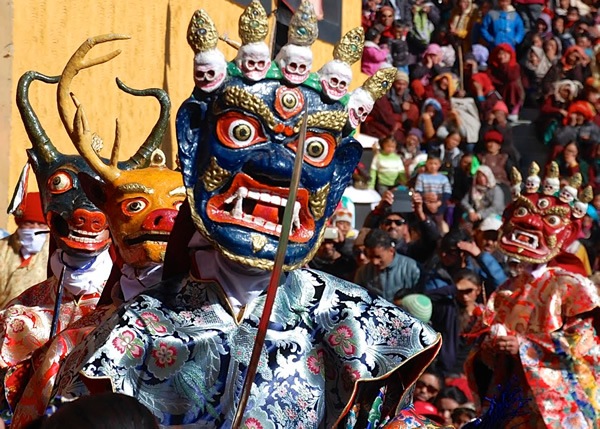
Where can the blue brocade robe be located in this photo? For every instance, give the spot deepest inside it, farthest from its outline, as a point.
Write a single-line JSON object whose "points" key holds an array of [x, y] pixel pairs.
{"points": [[183, 354]]}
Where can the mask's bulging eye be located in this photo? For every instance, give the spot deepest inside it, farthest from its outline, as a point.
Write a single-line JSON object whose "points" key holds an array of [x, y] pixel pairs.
{"points": [[133, 206], [316, 148], [543, 203], [60, 182], [553, 220], [238, 131], [319, 149], [521, 211]]}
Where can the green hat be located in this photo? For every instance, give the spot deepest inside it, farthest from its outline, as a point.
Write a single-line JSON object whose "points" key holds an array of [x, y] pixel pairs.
{"points": [[418, 306]]}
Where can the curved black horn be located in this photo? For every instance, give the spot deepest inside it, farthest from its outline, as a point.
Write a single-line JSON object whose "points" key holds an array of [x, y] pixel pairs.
{"points": [[141, 158], [39, 139]]}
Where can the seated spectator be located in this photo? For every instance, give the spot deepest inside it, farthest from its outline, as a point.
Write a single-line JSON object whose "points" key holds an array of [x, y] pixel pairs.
{"points": [[553, 49], [387, 168], [480, 86], [343, 220], [432, 118], [433, 181], [411, 147], [554, 108], [574, 65], [505, 74], [369, 13], [498, 121], [569, 162], [560, 31], [432, 206], [385, 20], [424, 72], [393, 114], [374, 53], [541, 30], [579, 128], [493, 157], [502, 26], [401, 56], [387, 272], [423, 24], [358, 249], [450, 153], [536, 67], [485, 198], [463, 177], [443, 89]]}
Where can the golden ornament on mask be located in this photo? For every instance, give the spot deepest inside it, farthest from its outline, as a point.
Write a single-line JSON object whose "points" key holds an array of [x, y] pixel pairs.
{"points": [[253, 23], [380, 83], [318, 200], [552, 171], [515, 176], [258, 242], [551, 241], [576, 180], [97, 143], [534, 169], [350, 48], [586, 195], [234, 96], [303, 29], [215, 176], [331, 120], [202, 34]]}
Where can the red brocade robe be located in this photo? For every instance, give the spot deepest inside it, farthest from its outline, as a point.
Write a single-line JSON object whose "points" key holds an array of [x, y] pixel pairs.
{"points": [[555, 316], [25, 327]]}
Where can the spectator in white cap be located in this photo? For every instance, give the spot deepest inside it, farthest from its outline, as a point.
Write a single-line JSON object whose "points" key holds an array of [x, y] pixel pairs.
{"points": [[486, 237]]}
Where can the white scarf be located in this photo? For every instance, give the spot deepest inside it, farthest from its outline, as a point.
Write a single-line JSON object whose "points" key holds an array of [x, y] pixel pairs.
{"points": [[82, 274], [135, 280], [241, 284]]}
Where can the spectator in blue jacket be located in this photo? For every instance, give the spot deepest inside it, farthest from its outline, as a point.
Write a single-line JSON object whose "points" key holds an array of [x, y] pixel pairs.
{"points": [[502, 25], [457, 251]]}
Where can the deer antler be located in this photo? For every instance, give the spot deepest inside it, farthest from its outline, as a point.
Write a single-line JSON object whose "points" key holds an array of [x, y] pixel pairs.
{"points": [[76, 63], [82, 139]]}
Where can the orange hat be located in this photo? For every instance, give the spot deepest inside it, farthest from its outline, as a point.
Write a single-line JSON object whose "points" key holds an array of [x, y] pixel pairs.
{"points": [[30, 209]]}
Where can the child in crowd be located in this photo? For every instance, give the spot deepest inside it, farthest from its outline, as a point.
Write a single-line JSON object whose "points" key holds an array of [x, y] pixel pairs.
{"points": [[387, 167], [374, 56], [433, 181], [485, 198], [498, 162]]}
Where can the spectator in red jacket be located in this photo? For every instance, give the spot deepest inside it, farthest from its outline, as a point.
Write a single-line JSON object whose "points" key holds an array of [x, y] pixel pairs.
{"points": [[505, 74]]}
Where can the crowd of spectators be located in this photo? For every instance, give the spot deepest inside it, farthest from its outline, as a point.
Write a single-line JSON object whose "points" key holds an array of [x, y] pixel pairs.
{"points": [[465, 71]]}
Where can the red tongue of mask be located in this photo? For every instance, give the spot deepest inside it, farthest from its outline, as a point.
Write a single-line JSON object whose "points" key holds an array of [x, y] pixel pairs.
{"points": [[267, 212]]}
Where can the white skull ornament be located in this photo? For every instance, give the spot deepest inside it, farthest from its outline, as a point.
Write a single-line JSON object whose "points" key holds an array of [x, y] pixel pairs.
{"points": [[579, 209], [359, 106], [210, 70], [295, 63], [335, 77], [567, 194], [254, 60], [551, 185], [532, 184]]}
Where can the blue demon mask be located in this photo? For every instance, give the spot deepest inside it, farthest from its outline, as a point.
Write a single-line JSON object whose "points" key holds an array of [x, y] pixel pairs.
{"points": [[237, 145]]}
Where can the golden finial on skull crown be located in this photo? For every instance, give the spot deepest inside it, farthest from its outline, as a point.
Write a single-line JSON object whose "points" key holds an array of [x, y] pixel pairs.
{"points": [[515, 176], [552, 170], [350, 48], [576, 180], [303, 30], [586, 195], [202, 34], [380, 82], [253, 23], [534, 169]]}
